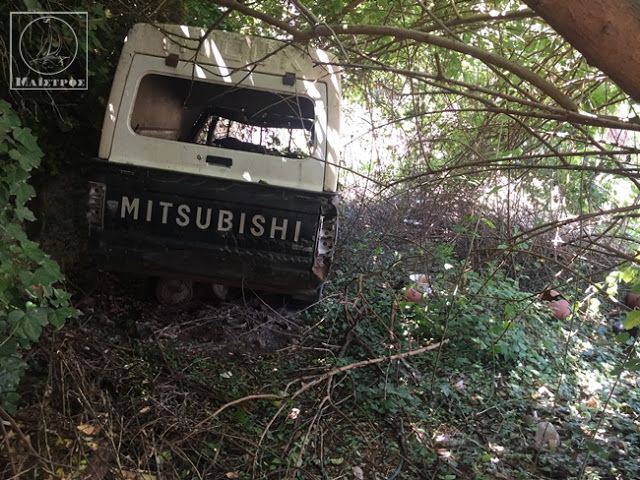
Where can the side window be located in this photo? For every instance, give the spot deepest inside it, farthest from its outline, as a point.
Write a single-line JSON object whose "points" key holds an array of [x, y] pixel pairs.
{"points": [[224, 116]]}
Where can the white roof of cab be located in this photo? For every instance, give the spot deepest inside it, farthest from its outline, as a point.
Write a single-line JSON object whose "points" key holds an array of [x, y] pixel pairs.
{"points": [[235, 50]]}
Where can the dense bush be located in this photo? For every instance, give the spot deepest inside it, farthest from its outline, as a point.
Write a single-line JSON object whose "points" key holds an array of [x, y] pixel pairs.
{"points": [[30, 298]]}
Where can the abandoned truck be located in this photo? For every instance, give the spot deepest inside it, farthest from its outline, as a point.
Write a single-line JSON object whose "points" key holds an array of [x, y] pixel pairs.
{"points": [[218, 164]]}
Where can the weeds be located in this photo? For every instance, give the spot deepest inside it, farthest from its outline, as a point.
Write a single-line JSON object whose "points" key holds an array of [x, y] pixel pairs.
{"points": [[367, 384]]}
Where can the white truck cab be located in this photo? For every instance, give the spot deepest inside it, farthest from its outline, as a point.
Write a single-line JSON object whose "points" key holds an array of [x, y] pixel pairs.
{"points": [[218, 163]]}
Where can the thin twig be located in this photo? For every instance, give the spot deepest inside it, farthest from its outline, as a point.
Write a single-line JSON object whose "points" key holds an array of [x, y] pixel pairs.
{"points": [[27, 443], [7, 447]]}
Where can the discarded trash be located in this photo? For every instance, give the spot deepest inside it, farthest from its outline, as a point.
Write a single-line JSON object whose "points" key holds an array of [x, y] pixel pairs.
{"points": [[412, 295], [422, 283], [546, 433]]}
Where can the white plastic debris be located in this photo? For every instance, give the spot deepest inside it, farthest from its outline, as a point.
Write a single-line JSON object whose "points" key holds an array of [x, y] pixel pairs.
{"points": [[459, 386], [546, 434], [294, 413], [357, 473], [422, 282], [544, 392]]}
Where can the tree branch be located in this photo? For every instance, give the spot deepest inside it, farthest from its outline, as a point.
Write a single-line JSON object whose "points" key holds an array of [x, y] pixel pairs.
{"points": [[483, 19], [488, 58], [245, 10], [315, 380], [405, 34], [600, 30]]}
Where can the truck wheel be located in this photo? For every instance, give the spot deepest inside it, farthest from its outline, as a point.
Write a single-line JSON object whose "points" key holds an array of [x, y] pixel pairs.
{"points": [[173, 291], [308, 300], [220, 291]]}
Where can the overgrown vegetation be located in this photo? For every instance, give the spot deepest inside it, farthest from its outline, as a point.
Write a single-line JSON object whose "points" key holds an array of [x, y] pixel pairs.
{"points": [[30, 297], [461, 170], [366, 383]]}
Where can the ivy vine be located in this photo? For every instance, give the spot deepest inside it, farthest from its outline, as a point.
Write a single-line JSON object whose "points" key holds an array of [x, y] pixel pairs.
{"points": [[31, 297]]}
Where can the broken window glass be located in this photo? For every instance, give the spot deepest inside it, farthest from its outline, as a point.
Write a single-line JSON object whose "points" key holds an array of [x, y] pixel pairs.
{"points": [[224, 116]]}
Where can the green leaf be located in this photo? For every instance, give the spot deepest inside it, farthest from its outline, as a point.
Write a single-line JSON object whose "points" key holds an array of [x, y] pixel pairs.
{"points": [[592, 446], [33, 5], [21, 323], [445, 389], [33, 252], [30, 330], [241, 416], [628, 275], [8, 346], [633, 365], [632, 320], [489, 223], [61, 295], [15, 231], [14, 317], [58, 316], [16, 175], [7, 291], [24, 193], [618, 369], [622, 337], [25, 158], [46, 275], [26, 277], [30, 149], [37, 315], [23, 213]]}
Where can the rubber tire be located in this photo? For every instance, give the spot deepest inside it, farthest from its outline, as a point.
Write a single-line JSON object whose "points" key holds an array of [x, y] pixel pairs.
{"points": [[174, 291]]}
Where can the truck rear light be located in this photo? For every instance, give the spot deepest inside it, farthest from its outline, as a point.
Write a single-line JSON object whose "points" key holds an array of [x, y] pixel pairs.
{"points": [[95, 202]]}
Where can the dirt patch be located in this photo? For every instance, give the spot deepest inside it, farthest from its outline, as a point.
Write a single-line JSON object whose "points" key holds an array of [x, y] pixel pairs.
{"points": [[252, 322], [235, 327]]}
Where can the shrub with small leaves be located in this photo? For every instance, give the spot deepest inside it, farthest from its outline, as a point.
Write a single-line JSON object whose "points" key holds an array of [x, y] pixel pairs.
{"points": [[30, 297]]}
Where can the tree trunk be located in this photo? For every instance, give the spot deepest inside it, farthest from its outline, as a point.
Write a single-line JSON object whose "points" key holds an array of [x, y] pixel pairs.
{"points": [[606, 32]]}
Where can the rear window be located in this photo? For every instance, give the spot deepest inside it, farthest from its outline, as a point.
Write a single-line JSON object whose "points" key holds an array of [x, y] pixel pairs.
{"points": [[224, 116]]}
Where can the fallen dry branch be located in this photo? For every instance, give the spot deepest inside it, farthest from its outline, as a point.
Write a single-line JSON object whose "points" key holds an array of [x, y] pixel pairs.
{"points": [[237, 401], [363, 363]]}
